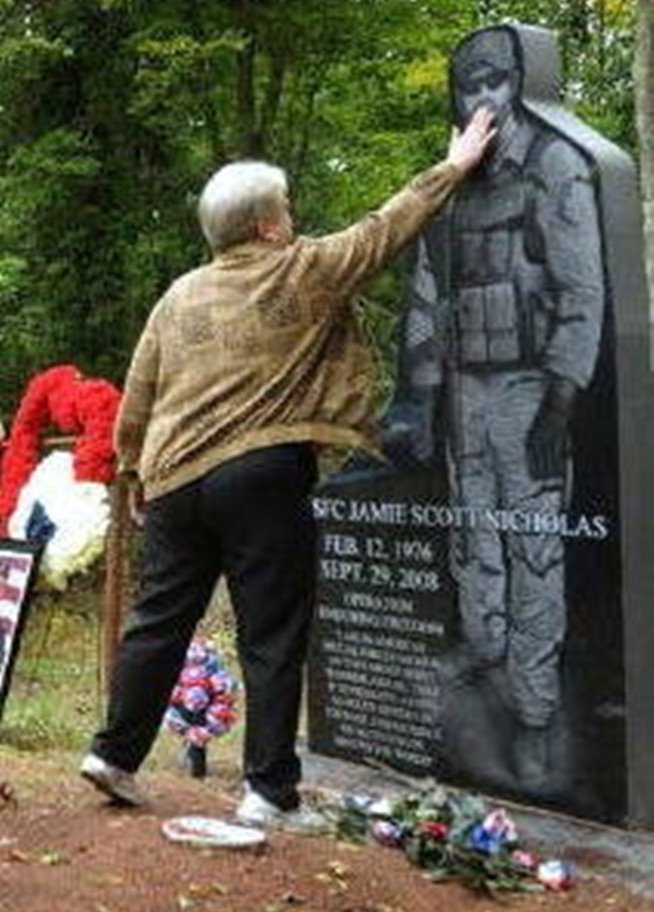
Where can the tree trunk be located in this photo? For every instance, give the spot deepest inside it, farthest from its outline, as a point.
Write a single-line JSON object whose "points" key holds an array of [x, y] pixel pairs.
{"points": [[249, 141], [198, 32], [272, 98], [644, 81]]}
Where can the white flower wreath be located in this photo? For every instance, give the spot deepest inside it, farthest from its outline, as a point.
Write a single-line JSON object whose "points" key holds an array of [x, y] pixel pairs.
{"points": [[79, 511]]}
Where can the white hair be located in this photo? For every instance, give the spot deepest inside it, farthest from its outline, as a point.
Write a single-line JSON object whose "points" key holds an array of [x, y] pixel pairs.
{"points": [[235, 197]]}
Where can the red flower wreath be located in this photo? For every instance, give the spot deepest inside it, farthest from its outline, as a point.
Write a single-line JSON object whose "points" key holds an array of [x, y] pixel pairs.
{"points": [[63, 398]]}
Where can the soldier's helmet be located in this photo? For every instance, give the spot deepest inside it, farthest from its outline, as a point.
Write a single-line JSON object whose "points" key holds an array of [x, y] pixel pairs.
{"points": [[493, 47]]}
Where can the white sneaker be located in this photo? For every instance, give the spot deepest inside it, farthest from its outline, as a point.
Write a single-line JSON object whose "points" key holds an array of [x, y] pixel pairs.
{"points": [[255, 810], [112, 781]]}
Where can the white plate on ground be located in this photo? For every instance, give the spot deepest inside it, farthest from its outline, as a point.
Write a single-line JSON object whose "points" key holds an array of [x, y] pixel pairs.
{"points": [[210, 831]]}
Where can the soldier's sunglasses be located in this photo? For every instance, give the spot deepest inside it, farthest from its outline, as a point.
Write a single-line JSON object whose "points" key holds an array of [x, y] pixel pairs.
{"points": [[471, 85]]}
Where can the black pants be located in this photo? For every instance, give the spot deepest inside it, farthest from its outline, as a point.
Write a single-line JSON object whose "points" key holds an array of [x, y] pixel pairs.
{"points": [[250, 518]]}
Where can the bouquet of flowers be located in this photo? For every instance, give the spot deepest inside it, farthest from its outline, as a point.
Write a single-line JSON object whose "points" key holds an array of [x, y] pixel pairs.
{"points": [[453, 835], [202, 704]]}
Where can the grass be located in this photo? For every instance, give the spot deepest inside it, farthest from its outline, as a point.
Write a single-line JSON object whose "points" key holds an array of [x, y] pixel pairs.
{"points": [[56, 698], [55, 693]]}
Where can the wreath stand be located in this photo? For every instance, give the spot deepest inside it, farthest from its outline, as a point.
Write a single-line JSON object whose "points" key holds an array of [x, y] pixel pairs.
{"points": [[116, 589], [117, 576]]}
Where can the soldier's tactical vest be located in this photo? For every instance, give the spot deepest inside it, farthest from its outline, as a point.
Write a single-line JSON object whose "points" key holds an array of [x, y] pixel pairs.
{"points": [[501, 310]]}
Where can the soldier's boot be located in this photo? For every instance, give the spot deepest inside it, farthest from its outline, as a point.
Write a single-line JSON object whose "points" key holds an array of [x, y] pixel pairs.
{"points": [[531, 759]]}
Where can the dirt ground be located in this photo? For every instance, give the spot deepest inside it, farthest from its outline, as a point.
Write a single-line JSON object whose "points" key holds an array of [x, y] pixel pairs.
{"points": [[63, 849]]}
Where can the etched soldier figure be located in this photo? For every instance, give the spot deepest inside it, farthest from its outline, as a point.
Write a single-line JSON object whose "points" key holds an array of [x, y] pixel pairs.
{"points": [[501, 335]]}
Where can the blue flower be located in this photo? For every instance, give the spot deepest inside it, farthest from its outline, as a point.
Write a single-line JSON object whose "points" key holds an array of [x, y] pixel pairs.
{"points": [[484, 841]]}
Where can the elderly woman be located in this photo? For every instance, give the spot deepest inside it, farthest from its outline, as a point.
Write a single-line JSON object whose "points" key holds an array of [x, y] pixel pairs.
{"points": [[245, 366]]}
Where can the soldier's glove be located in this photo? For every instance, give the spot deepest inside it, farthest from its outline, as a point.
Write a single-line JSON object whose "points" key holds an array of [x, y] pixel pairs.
{"points": [[547, 440], [411, 432]]}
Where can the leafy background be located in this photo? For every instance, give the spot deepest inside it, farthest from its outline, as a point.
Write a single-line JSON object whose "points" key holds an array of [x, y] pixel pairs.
{"points": [[114, 113]]}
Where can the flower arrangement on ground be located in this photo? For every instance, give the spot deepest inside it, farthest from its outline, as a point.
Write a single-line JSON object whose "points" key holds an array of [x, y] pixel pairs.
{"points": [[453, 835], [203, 703]]}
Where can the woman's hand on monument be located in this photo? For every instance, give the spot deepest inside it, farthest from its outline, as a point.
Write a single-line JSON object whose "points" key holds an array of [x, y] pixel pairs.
{"points": [[467, 147]]}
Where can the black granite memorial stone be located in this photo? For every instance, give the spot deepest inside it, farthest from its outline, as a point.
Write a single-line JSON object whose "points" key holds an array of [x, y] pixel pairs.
{"points": [[385, 612], [484, 603]]}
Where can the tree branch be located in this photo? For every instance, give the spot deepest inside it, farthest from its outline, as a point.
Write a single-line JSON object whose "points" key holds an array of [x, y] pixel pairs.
{"points": [[272, 99]]}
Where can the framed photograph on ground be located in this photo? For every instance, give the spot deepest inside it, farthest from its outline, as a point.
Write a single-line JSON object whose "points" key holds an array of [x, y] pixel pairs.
{"points": [[18, 566]]}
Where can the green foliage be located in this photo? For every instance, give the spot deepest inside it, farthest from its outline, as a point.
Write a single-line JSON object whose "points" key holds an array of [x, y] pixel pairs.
{"points": [[116, 111]]}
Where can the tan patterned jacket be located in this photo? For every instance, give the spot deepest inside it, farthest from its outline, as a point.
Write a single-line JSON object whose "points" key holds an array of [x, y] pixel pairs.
{"points": [[261, 346]]}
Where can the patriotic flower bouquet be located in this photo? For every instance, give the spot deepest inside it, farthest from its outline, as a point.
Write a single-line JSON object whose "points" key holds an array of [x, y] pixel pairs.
{"points": [[453, 835], [202, 704]]}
